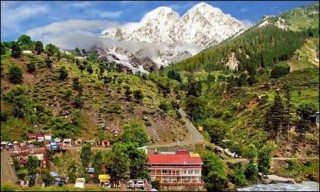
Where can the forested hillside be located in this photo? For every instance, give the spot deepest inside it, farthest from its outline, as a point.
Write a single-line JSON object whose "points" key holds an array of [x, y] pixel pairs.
{"points": [[258, 47], [57, 93], [259, 100]]}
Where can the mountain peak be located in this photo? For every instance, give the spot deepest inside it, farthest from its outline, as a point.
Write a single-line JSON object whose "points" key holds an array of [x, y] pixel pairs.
{"points": [[159, 12], [204, 7]]}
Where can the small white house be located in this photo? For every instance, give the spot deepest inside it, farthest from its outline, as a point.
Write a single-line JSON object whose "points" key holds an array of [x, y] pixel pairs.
{"points": [[66, 143], [80, 58], [80, 183], [27, 52]]}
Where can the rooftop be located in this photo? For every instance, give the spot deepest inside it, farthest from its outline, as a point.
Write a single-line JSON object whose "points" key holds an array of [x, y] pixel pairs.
{"points": [[189, 158]]}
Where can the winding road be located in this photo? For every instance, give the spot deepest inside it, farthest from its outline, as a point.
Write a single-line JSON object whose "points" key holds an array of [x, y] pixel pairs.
{"points": [[196, 137]]}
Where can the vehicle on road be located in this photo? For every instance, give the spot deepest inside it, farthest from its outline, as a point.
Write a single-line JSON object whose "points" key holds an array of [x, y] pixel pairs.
{"points": [[130, 184], [139, 184], [106, 185]]}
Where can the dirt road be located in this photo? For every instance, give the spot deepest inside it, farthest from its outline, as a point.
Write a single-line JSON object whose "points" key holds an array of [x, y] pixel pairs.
{"points": [[196, 137], [7, 173]]}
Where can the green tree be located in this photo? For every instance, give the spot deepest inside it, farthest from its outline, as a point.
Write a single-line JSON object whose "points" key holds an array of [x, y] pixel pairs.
{"points": [[216, 129], [52, 50], [3, 49], [119, 165], [251, 152], [265, 157], [85, 155], [304, 124], [76, 84], [47, 178], [133, 132], [15, 74], [97, 162], [72, 171], [138, 162], [138, 95], [25, 42], [195, 107], [32, 165], [194, 87], [15, 50], [279, 71], [238, 177], [49, 62], [63, 73], [213, 172], [210, 79], [275, 119], [78, 102], [38, 47], [251, 171]]}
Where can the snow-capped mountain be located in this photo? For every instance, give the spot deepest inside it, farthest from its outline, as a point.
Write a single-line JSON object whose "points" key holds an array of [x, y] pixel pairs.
{"points": [[174, 38]]}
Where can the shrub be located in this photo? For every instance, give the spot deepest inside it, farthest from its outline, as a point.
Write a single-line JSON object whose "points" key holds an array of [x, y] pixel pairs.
{"points": [[3, 116], [15, 74], [63, 73], [280, 70], [31, 67], [15, 50], [138, 95], [238, 177]]}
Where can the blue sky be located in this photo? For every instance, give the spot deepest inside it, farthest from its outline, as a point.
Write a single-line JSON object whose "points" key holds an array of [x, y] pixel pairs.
{"points": [[92, 17]]}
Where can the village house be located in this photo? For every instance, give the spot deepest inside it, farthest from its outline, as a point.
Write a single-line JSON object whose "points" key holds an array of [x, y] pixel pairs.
{"points": [[176, 170]]}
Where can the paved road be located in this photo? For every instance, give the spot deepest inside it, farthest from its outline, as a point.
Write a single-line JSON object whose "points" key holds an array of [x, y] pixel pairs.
{"points": [[7, 174], [237, 160], [196, 137]]}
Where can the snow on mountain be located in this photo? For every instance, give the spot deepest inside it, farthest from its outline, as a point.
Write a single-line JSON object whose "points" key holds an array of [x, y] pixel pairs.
{"points": [[177, 37]]}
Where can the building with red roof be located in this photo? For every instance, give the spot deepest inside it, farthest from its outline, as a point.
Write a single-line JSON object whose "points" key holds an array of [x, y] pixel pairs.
{"points": [[179, 169]]}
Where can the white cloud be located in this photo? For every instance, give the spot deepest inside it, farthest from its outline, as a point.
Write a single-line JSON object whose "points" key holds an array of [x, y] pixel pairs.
{"points": [[109, 14], [79, 4], [13, 14], [71, 33]]}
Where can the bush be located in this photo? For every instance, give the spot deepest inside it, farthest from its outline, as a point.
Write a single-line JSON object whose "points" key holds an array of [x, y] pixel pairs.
{"points": [[15, 50], [31, 67], [280, 70], [138, 95], [251, 80], [63, 73], [3, 116], [90, 69], [238, 177], [15, 74], [164, 106], [155, 184]]}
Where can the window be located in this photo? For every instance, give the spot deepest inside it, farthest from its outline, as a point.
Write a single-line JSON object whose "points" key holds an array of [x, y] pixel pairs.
{"points": [[197, 171], [165, 171], [190, 171]]}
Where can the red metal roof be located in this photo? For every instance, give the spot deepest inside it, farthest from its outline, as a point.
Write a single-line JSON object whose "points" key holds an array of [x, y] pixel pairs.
{"points": [[173, 159], [32, 136]]}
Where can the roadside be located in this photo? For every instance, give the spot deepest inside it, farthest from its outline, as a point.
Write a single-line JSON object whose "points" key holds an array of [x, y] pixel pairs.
{"points": [[195, 136], [7, 174]]}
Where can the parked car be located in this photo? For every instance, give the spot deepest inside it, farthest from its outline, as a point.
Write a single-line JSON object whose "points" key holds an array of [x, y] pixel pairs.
{"points": [[139, 184], [61, 182], [106, 185], [130, 184]]}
